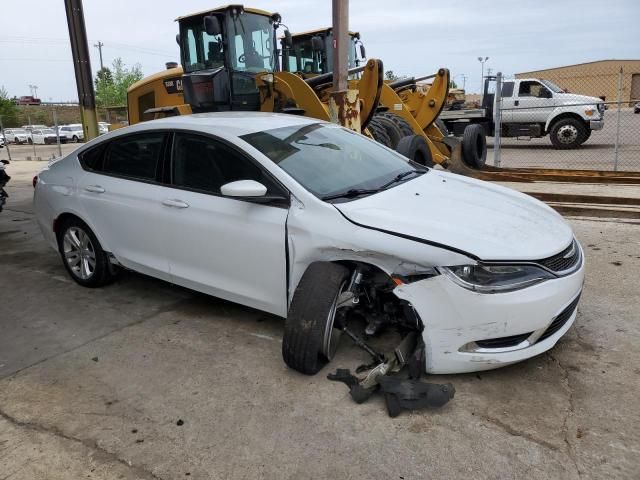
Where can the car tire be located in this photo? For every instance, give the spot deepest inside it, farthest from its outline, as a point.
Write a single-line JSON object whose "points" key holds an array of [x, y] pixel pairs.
{"points": [[379, 133], [310, 336], [586, 136], [30, 141], [415, 148], [568, 133], [74, 139], [392, 129], [474, 146], [79, 248]]}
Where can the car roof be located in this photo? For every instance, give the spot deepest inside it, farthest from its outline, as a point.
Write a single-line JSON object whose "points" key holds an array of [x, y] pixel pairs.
{"points": [[230, 123]]}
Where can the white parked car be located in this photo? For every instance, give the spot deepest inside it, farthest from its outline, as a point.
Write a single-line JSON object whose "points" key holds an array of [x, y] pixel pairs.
{"points": [[73, 133], [317, 224], [45, 136], [17, 135], [103, 127]]}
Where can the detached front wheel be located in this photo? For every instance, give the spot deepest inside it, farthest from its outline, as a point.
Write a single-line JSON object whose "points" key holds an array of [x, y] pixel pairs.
{"points": [[311, 334]]}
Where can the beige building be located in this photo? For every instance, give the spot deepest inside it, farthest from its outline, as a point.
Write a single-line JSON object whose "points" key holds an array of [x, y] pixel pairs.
{"points": [[597, 79]]}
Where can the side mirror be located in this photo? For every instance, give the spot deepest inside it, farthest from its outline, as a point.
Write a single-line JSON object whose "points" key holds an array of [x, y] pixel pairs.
{"points": [[288, 41], [317, 45], [363, 53], [212, 25], [178, 38], [243, 188]]}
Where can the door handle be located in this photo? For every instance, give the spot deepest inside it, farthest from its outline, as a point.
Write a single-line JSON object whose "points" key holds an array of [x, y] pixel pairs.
{"points": [[94, 188], [175, 203], [516, 103]]}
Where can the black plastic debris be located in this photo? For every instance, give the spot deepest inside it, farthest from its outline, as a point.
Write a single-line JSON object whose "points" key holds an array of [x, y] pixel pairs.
{"points": [[413, 394]]}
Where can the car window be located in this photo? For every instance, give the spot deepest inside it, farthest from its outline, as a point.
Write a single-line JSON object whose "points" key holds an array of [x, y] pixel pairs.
{"points": [[201, 163], [135, 156], [531, 89], [507, 89], [92, 159]]}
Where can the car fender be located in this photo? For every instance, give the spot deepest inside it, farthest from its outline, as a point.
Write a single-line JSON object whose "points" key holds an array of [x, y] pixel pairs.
{"points": [[563, 109]]}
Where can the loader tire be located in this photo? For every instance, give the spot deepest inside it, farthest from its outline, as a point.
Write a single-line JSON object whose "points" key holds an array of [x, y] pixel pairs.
{"points": [[310, 335], [379, 133], [474, 146], [392, 129], [415, 148], [402, 124]]}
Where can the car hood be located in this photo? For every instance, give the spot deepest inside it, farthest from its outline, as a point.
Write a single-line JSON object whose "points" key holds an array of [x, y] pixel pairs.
{"points": [[581, 99], [485, 220]]}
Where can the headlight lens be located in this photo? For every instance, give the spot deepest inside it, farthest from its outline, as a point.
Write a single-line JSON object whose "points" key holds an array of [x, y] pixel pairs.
{"points": [[496, 278]]}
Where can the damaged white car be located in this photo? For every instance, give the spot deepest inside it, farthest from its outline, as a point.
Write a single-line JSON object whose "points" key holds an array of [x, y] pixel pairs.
{"points": [[319, 225]]}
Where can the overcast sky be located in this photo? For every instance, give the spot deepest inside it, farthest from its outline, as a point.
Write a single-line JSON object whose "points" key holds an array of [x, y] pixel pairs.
{"points": [[412, 37]]}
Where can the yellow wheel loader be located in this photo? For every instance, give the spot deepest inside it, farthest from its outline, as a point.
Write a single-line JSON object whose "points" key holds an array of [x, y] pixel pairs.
{"points": [[229, 61]]}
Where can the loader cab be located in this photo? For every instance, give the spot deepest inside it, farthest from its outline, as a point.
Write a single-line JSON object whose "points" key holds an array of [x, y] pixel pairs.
{"points": [[221, 52], [311, 53]]}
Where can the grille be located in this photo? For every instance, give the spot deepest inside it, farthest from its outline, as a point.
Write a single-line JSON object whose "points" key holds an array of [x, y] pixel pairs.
{"points": [[503, 342], [558, 262], [560, 320]]}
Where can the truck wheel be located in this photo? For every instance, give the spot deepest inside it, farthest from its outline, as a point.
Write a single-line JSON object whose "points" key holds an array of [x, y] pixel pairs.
{"points": [[586, 135], [415, 148], [402, 124], [568, 133], [392, 129], [310, 334], [379, 133], [474, 146]]}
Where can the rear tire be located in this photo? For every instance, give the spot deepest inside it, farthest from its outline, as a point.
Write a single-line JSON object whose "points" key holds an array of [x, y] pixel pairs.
{"points": [[474, 146], [309, 335], [379, 133], [82, 255], [415, 148], [568, 133], [74, 139]]}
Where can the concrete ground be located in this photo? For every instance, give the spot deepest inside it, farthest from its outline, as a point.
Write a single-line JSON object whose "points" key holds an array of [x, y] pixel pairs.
{"points": [[142, 379]]}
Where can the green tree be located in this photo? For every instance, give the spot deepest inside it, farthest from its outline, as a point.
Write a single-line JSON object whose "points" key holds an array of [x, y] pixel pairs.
{"points": [[112, 84], [389, 75], [453, 84], [8, 109]]}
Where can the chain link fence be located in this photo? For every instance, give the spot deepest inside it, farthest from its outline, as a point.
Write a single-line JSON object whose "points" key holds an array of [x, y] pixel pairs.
{"points": [[588, 118]]}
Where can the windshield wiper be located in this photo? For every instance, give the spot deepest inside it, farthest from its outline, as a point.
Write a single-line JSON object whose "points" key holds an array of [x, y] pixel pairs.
{"points": [[354, 192], [400, 176]]}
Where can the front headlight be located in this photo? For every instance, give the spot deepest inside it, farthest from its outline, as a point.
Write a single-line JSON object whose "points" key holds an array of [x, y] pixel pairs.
{"points": [[496, 278]]}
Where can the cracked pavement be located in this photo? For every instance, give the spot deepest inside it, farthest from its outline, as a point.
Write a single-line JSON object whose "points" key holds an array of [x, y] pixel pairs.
{"points": [[94, 384]]}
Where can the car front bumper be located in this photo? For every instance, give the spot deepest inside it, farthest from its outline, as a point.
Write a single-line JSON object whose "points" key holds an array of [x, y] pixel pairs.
{"points": [[465, 331], [596, 124]]}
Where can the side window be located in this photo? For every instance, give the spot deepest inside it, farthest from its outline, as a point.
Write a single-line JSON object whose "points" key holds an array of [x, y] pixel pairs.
{"points": [[201, 163], [92, 159], [507, 89], [136, 156], [531, 89]]}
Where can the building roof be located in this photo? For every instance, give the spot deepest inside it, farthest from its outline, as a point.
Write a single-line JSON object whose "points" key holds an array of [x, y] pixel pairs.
{"points": [[578, 65]]}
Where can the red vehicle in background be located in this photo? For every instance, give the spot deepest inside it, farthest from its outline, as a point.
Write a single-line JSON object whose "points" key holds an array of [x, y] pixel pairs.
{"points": [[28, 100]]}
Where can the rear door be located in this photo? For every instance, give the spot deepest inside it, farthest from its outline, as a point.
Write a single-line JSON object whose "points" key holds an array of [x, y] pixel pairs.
{"points": [[228, 247], [121, 194]]}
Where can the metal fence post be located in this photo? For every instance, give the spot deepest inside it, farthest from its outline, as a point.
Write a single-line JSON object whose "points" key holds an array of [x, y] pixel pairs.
{"points": [[33, 143], [55, 124], [497, 120], [6, 144], [619, 112]]}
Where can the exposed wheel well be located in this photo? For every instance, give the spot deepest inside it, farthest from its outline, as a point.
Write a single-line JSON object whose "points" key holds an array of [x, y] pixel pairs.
{"points": [[564, 116]]}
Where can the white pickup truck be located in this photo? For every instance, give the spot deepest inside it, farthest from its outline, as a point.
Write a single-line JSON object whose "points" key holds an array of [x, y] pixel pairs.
{"points": [[533, 108]]}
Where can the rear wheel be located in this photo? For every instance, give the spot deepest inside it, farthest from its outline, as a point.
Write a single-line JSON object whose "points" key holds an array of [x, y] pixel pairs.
{"points": [[415, 148], [74, 139], [474, 146], [82, 254], [379, 133], [568, 133], [311, 334]]}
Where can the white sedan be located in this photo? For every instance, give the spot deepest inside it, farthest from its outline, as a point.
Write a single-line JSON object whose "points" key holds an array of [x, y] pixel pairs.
{"points": [[16, 135], [319, 225], [45, 136]]}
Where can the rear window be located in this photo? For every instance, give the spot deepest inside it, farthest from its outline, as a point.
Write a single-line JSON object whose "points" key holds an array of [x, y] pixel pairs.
{"points": [[134, 156]]}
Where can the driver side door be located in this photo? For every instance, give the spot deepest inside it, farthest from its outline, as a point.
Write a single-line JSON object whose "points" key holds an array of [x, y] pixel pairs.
{"points": [[533, 104]]}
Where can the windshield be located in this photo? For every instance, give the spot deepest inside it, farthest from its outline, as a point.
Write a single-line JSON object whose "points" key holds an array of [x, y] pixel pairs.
{"points": [[303, 59], [251, 43], [200, 50], [329, 160], [552, 86]]}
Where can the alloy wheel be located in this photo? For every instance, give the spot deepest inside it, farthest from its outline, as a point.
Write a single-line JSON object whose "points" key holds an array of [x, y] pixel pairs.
{"points": [[79, 253]]}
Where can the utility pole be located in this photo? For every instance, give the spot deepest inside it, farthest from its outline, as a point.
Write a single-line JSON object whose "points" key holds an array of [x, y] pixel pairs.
{"points": [[344, 105], [33, 89], [99, 46], [82, 67], [482, 60]]}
